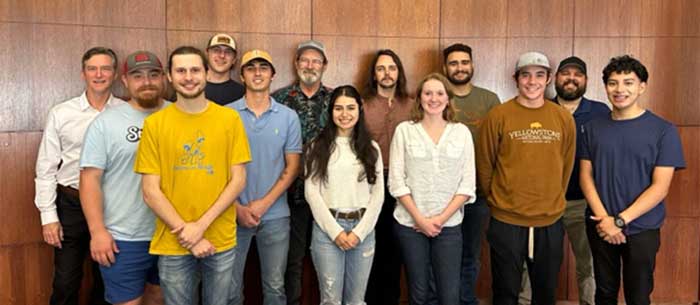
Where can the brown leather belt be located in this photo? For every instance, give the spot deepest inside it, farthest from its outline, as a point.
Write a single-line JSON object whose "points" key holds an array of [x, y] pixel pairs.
{"points": [[354, 215], [67, 190]]}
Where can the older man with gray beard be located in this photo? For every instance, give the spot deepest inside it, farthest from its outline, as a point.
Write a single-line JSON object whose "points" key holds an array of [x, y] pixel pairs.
{"points": [[310, 99]]}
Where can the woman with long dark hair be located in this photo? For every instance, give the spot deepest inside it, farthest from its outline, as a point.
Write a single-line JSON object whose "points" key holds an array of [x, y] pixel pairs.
{"points": [[432, 174], [345, 190]]}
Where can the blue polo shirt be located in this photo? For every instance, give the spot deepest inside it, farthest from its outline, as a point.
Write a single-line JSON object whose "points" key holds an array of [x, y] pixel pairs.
{"points": [[623, 155], [272, 135], [586, 111]]}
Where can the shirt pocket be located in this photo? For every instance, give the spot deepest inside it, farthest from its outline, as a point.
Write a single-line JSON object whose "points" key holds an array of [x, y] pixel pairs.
{"points": [[417, 151], [454, 150]]}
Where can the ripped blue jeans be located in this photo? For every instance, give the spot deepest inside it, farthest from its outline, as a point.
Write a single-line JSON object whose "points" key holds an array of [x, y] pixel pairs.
{"points": [[342, 275]]}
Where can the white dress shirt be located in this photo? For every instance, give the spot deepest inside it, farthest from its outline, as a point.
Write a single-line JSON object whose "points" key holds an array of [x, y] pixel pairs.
{"points": [[343, 192], [432, 174], [61, 144]]}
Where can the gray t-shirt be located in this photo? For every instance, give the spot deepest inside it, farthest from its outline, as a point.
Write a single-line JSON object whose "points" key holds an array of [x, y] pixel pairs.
{"points": [[110, 144], [471, 109]]}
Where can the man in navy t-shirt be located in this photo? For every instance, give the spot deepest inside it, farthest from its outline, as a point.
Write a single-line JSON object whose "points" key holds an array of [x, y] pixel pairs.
{"points": [[627, 163]]}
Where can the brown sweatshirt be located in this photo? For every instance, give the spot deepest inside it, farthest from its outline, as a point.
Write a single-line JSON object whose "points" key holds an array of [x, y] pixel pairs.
{"points": [[524, 159]]}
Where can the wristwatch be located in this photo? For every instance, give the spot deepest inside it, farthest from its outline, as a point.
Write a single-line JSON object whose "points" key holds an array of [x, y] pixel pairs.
{"points": [[619, 222]]}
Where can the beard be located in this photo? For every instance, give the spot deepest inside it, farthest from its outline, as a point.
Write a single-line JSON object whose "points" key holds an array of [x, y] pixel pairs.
{"points": [[147, 100], [308, 76], [196, 94], [570, 95], [454, 80]]}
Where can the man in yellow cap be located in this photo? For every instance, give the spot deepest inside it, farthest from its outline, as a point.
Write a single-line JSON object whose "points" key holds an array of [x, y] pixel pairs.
{"points": [[274, 135]]}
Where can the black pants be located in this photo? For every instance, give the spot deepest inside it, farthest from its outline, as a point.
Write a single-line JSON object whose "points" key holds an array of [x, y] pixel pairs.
{"points": [[68, 261], [299, 242], [384, 285], [636, 258], [509, 247]]}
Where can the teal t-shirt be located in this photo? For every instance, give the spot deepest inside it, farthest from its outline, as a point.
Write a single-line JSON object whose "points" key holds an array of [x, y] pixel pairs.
{"points": [[110, 144]]}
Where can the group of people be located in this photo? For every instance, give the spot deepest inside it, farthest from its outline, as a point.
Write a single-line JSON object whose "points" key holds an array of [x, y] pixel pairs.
{"points": [[167, 195]]}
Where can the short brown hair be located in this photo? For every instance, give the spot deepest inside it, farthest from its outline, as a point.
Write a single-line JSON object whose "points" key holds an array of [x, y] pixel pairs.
{"points": [[417, 113], [100, 51]]}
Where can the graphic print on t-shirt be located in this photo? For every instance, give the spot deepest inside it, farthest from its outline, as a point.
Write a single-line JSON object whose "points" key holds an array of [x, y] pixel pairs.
{"points": [[192, 156], [133, 134], [536, 133]]}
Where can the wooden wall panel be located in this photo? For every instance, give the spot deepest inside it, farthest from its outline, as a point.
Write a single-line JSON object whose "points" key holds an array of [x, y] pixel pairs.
{"points": [[276, 16], [348, 59], [128, 13], [19, 217], [473, 18], [26, 274], [39, 59], [348, 18], [54, 61], [556, 49], [670, 18], [58, 11], [683, 198], [596, 52], [673, 79], [540, 18], [608, 18], [15, 10], [15, 94], [677, 263], [418, 18], [491, 67], [209, 15]]}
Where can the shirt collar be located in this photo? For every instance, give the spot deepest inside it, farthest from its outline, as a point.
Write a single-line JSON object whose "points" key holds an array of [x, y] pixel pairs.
{"points": [[85, 105], [322, 90], [242, 105], [583, 107]]}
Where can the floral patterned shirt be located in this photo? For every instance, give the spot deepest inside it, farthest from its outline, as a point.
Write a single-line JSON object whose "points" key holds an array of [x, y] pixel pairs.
{"points": [[313, 116]]}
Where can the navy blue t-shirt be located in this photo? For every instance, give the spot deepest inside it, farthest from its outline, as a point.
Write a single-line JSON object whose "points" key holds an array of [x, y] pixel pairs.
{"points": [[623, 155]]}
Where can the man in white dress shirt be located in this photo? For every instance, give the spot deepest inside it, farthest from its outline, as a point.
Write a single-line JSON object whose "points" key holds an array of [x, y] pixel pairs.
{"points": [[57, 174]]}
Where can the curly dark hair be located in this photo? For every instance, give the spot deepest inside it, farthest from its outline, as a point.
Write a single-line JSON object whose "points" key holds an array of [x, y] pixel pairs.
{"points": [[625, 64], [320, 149]]}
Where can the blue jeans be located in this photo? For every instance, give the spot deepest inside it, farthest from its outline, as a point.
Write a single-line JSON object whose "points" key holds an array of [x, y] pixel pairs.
{"points": [[442, 253], [179, 277], [342, 275], [272, 240], [475, 216]]}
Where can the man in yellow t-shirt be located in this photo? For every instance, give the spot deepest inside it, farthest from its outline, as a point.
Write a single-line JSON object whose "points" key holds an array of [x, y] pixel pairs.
{"points": [[192, 157]]}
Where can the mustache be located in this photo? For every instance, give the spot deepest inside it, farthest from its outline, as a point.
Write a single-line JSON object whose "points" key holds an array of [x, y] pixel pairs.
{"points": [[571, 81], [148, 87]]}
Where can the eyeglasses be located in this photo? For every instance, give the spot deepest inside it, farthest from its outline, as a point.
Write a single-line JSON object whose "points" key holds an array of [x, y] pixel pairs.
{"points": [[308, 61]]}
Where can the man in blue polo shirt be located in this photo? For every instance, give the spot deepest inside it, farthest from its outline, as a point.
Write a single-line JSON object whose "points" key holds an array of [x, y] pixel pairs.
{"points": [[627, 163], [274, 135]]}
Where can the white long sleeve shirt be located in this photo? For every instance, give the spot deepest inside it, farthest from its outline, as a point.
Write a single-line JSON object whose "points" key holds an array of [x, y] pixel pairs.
{"points": [[61, 144], [432, 174], [343, 192]]}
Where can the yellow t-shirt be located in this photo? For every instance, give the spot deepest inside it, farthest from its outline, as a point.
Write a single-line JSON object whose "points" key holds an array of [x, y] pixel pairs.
{"points": [[193, 154]]}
